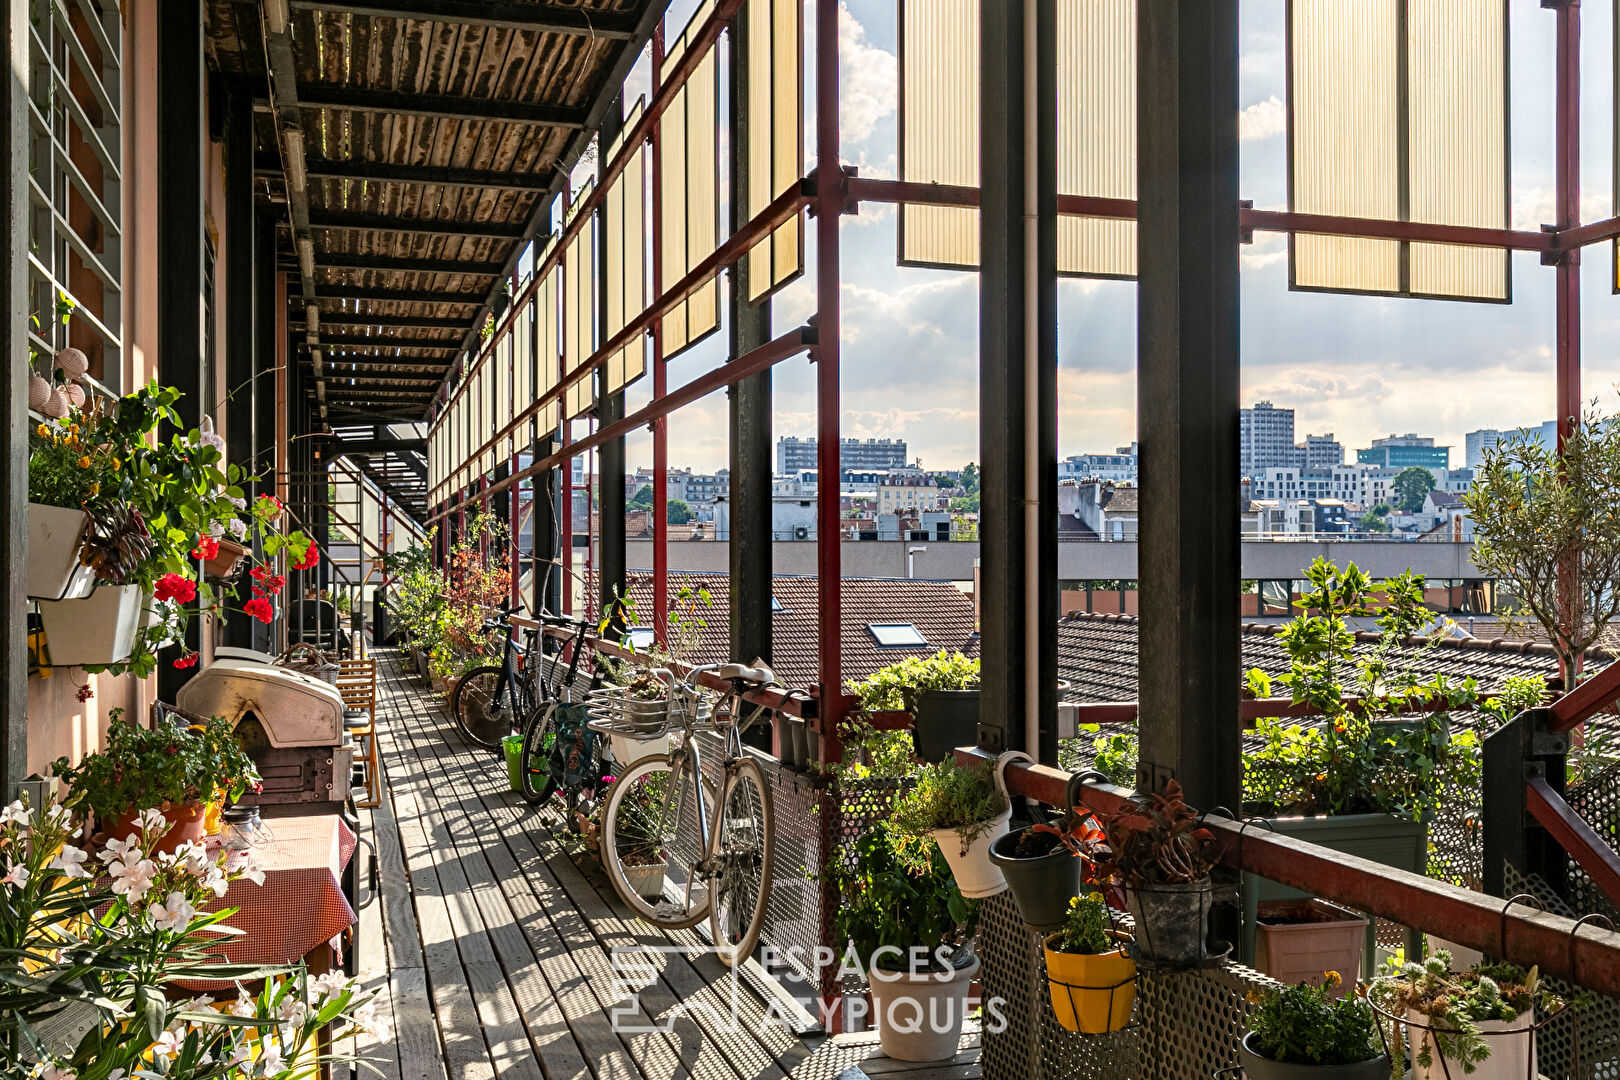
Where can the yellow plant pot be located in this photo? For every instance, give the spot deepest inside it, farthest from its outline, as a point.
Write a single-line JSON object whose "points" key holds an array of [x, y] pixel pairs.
{"points": [[1091, 995], [212, 813]]}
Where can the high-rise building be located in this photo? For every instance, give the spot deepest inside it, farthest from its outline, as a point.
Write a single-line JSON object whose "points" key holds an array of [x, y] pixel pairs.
{"points": [[1405, 451], [794, 454], [1266, 439], [1477, 443], [1322, 451]]}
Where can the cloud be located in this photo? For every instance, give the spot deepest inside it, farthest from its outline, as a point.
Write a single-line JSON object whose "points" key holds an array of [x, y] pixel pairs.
{"points": [[869, 86], [1537, 206], [1262, 120]]}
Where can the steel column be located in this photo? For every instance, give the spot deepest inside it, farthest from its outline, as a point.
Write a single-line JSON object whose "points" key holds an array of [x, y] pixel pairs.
{"points": [[610, 408], [1527, 747], [1567, 196], [267, 316], [750, 402], [660, 380], [829, 208], [180, 132], [1187, 396], [14, 475], [241, 266]]}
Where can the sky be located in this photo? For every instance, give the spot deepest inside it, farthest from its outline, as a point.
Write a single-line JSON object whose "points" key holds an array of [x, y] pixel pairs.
{"points": [[1358, 367]]}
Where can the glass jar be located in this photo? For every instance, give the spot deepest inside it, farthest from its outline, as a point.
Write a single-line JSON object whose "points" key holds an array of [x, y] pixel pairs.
{"points": [[242, 828]]}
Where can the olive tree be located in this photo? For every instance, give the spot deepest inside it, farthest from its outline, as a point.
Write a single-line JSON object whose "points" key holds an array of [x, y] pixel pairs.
{"points": [[1545, 525]]}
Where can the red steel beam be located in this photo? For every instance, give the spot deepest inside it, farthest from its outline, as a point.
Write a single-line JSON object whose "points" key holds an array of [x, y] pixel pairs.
{"points": [[1590, 851], [831, 191], [868, 189], [1585, 955], [1567, 196]]}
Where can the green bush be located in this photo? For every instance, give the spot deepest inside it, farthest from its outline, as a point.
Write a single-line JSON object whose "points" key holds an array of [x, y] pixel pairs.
{"points": [[1086, 927], [889, 905], [1305, 1025]]}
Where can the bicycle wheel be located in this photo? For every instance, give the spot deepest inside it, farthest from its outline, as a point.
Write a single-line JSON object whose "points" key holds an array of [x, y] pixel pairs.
{"points": [[743, 849], [650, 843], [534, 764], [482, 719]]}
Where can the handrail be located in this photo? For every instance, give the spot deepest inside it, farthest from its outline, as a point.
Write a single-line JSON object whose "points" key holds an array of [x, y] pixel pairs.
{"points": [[1587, 699], [1590, 851], [1580, 953]]}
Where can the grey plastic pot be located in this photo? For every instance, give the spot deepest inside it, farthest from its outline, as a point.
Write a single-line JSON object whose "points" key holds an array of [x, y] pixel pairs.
{"points": [[1042, 886], [1172, 922], [1256, 1067], [942, 720]]}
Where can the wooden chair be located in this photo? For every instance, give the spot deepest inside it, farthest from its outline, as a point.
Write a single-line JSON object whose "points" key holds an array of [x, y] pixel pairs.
{"points": [[357, 682]]}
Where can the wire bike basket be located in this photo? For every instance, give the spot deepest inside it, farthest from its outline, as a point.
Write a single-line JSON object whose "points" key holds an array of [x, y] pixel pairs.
{"points": [[614, 711]]}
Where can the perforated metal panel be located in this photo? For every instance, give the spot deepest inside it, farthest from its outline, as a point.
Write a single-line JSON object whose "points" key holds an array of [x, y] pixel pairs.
{"points": [[688, 163], [775, 136]]}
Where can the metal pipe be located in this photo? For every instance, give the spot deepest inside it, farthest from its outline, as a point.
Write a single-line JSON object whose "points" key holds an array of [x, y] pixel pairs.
{"points": [[660, 426], [1583, 843], [1033, 581]]}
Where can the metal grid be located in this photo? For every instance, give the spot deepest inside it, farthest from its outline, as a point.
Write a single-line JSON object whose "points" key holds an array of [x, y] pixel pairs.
{"points": [[75, 148]]}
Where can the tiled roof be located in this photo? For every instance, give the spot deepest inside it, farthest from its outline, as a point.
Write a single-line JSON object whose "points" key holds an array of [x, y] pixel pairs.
{"points": [[941, 612], [1097, 656], [1121, 500]]}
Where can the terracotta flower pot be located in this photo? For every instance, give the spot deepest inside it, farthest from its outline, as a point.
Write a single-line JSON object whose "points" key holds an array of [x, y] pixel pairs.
{"points": [[225, 564], [185, 824]]}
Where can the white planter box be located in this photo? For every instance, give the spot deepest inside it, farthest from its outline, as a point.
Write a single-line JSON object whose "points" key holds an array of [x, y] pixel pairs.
{"points": [[55, 538], [646, 880], [1513, 1054], [99, 629], [626, 750]]}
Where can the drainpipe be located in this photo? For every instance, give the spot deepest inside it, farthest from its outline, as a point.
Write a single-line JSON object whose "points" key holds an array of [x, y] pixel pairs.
{"points": [[1032, 385]]}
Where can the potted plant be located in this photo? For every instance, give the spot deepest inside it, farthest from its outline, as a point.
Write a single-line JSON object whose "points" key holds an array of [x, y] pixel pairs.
{"points": [[941, 692], [1046, 865], [1162, 854], [1091, 979], [962, 810], [1481, 1022], [909, 927], [1301, 940], [1366, 778], [1306, 1032], [233, 771], [166, 767]]}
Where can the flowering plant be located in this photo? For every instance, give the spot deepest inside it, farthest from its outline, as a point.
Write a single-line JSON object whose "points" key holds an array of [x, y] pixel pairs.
{"points": [[478, 582], [112, 932], [1308, 1025]]}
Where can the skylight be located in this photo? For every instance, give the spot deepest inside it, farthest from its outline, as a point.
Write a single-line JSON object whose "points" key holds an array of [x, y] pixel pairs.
{"points": [[639, 637], [896, 634], [776, 605]]}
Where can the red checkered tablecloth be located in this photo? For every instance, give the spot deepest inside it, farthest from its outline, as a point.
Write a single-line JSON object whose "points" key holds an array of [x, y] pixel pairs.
{"points": [[301, 903]]}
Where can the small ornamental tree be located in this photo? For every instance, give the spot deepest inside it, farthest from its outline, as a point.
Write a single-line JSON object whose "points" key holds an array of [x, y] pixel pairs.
{"points": [[1412, 486], [1546, 525]]}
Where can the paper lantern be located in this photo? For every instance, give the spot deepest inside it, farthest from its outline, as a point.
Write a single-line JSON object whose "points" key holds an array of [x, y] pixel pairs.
{"points": [[39, 392], [72, 362]]}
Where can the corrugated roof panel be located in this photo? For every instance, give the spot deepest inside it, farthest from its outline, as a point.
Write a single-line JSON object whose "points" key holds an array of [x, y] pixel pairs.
{"points": [[775, 136], [939, 127], [1096, 117]]}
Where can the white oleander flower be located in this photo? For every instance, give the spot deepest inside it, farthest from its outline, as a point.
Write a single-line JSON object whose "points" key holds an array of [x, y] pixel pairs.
{"points": [[153, 821], [70, 861], [16, 875], [173, 913]]}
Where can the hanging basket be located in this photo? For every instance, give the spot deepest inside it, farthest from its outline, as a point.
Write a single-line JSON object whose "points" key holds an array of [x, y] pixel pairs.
{"points": [[1171, 921], [1091, 994], [1041, 885], [224, 566], [55, 544]]}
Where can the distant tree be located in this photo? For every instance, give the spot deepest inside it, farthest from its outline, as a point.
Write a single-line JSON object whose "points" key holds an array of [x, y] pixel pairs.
{"points": [[643, 498], [970, 480], [679, 513], [1545, 526], [1412, 486], [968, 504], [1374, 523], [1382, 509]]}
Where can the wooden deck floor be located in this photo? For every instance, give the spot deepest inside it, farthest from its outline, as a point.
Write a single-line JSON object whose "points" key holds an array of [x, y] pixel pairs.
{"points": [[493, 950]]}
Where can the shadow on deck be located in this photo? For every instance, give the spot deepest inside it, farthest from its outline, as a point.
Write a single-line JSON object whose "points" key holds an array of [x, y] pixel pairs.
{"points": [[495, 952]]}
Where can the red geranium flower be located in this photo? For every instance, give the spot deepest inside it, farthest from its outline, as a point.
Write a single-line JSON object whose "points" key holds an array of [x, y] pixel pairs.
{"points": [[260, 572], [260, 609], [274, 584], [207, 548], [175, 587], [312, 555], [273, 501], [188, 660]]}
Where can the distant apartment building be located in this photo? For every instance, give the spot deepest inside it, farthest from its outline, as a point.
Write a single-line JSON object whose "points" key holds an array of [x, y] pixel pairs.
{"points": [[1479, 443], [691, 487], [897, 494], [1266, 439], [1405, 451], [794, 454], [1120, 466], [1322, 451]]}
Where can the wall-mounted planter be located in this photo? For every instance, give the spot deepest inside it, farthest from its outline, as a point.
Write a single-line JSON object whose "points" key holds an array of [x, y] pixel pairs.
{"points": [[970, 863], [1171, 921], [1511, 1043], [1091, 994], [942, 720], [100, 629], [224, 565], [55, 540], [1042, 884]]}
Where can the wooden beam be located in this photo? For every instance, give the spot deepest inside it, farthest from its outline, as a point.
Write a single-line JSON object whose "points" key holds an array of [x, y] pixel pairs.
{"points": [[352, 318], [331, 341], [330, 219], [487, 110], [405, 296], [340, 260], [547, 19]]}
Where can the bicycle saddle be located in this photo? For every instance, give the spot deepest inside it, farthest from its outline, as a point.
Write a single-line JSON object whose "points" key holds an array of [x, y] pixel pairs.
{"points": [[758, 674]]}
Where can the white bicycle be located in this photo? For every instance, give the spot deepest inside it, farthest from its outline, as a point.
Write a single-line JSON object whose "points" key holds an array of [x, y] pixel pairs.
{"points": [[681, 845]]}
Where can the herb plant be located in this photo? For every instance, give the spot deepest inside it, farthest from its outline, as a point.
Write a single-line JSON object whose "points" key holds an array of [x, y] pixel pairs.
{"points": [[1086, 928], [946, 796], [1454, 1004], [139, 768], [1306, 1025], [890, 906]]}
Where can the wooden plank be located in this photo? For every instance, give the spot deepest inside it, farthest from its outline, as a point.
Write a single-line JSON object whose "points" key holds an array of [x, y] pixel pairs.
{"points": [[416, 1031]]}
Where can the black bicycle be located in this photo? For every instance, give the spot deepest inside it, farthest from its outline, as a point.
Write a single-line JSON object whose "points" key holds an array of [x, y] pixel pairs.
{"points": [[559, 752], [493, 700]]}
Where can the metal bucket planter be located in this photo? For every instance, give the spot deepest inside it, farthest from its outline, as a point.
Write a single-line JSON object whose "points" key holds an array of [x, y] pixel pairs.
{"points": [[1041, 885], [942, 720], [1258, 1067], [919, 1016], [55, 541], [1091, 994], [100, 629], [1171, 922]]}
